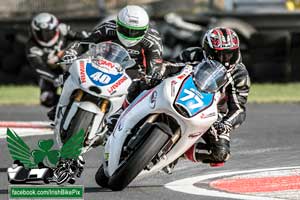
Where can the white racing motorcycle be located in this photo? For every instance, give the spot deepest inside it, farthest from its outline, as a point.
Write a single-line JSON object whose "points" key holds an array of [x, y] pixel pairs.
{"points": [[97, 86], [161, 124]]}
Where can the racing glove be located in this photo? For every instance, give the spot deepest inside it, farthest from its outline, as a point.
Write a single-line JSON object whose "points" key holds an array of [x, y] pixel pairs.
{"points": [[69, 57], [223, 129], [156, 78]]}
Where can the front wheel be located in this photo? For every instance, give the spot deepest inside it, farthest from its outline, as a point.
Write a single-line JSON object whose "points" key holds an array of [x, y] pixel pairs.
{"points": [[82, 120], [101, 178], [138, 160]]}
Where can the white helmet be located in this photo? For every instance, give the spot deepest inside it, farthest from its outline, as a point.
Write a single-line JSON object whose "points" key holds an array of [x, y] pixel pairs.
{"points": [[44, 27], [132, 24]]}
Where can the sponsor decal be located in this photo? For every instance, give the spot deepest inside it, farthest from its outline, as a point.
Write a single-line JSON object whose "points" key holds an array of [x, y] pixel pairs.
{"points": [[82, 72], [185, 73], [203, 116], [117, 84], [120, 127], [153, 98], [106, 156], [173, 88], [182, 76], [105, 63]]}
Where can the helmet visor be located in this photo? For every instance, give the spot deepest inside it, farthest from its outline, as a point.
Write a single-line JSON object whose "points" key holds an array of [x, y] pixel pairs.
{"points": [[131, 32], [46, 35], [227, 56]]}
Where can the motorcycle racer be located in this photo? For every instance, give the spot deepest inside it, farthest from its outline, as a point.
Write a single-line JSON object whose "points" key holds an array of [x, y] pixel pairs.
{"points": [[221, 44], [133, 31], [45, 47]]}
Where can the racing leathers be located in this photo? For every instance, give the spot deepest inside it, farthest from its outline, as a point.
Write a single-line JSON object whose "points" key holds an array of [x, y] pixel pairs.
{"points": [[232, 111], [43, 60]]}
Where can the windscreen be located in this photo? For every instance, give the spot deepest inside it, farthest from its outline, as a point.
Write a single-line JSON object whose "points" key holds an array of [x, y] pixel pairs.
{"points": [[210, 76], [112, 52]]}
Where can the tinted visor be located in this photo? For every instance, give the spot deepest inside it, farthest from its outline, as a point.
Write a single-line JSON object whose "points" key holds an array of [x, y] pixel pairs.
{"points": [[131, 32], [45, 35], [227, 57]]}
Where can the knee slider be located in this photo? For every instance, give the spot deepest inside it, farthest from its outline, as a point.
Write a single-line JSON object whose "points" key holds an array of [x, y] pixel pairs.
{"points": [[220, 150], [220, 155]]}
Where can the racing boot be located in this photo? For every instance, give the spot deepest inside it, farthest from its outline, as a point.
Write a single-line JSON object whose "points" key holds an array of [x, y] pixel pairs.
{"points": [[51, 113], [219, 149]]}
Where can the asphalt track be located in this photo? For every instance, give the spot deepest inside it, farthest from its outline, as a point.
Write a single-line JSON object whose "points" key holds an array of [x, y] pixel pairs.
{"points": [[265, 162]]}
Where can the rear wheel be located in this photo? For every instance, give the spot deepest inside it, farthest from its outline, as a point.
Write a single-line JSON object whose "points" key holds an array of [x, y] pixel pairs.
{"points": [[138, 160], [81, 120]]}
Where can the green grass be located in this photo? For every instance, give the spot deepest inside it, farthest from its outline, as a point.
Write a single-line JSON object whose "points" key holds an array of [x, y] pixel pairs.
{"points": [[275, 93], [22, 95], [260, 93]]}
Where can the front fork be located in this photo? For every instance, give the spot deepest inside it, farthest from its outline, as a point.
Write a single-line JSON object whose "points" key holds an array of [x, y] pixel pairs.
{"points": [[97, 133], [97, 129]]}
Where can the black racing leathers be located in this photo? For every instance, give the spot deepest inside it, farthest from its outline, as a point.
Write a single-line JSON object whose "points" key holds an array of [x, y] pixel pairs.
{"points": [[147, 53], [235, 91], [43, 60], [231, 108]]}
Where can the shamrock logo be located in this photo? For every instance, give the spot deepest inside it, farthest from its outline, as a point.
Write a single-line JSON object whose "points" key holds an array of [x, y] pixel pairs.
{"points": [[44, 152], [19, 150]]}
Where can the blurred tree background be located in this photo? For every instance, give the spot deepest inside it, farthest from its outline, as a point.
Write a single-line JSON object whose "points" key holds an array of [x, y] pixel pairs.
{"points": [[270, 50]]}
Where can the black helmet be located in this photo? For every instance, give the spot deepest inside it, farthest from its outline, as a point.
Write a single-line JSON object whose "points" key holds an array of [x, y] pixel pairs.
{"points": [[222, 44], [44, 28]]}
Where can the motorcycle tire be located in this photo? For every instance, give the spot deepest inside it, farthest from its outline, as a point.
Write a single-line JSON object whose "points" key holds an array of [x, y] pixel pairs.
{"points": [[101, 178], [138, 160], [81, 120]]}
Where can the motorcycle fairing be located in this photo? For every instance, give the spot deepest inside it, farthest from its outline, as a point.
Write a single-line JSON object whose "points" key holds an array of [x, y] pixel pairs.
{"points": [[191, 99], [99, 77], [142, 107]]}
